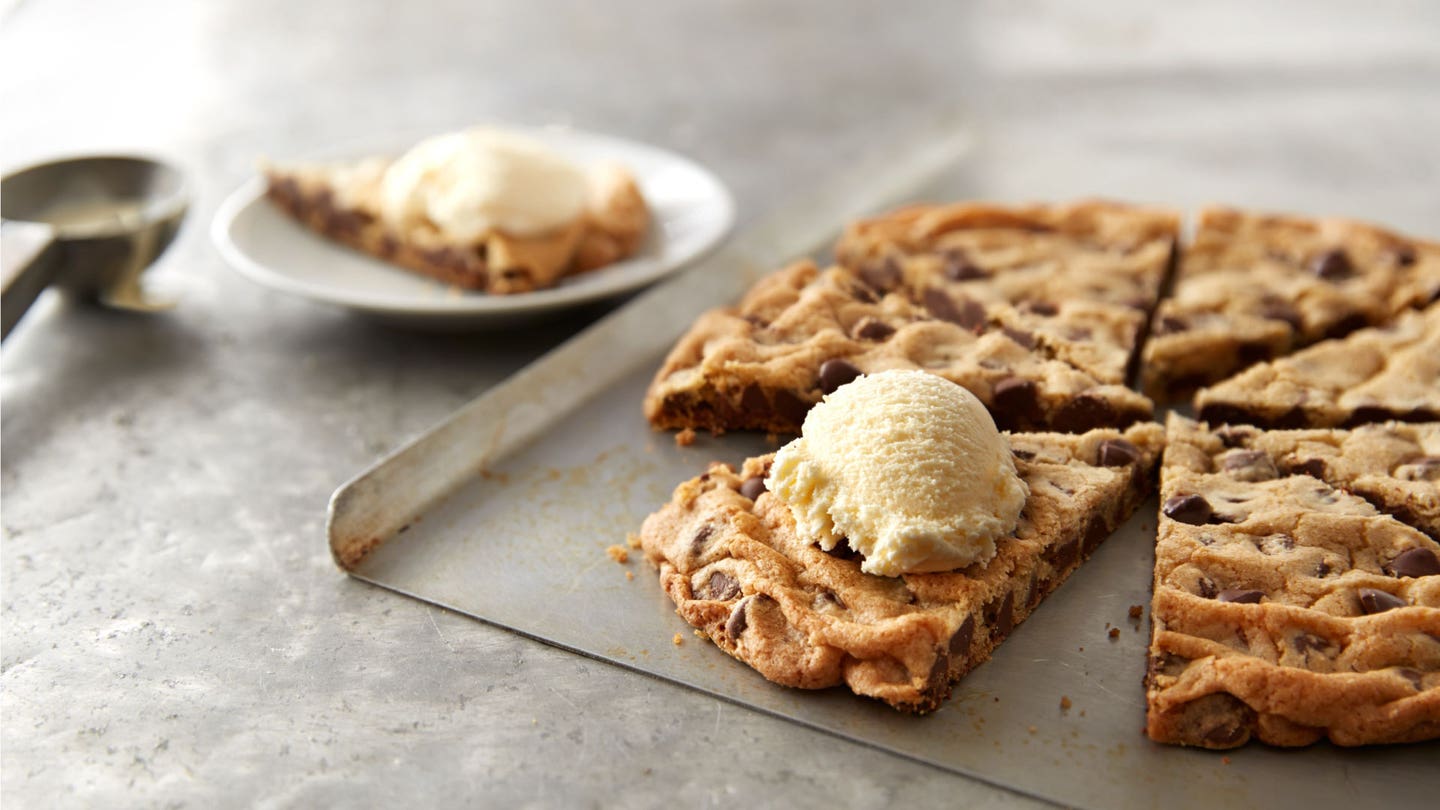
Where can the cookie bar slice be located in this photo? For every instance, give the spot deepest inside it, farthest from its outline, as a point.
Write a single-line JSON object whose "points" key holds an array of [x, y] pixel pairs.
{"points": [[1374, 375], [1252, 287], [729, 556], [1082, 277], [1287, 607], [341, 203], [803, 332]]}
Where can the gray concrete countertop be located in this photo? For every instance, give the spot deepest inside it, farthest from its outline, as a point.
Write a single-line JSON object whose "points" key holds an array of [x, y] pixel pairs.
{"points": [[174, 632]]}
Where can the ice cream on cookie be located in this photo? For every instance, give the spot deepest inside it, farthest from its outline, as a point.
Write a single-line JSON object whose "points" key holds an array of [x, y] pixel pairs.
{"points": [[906, 467]]}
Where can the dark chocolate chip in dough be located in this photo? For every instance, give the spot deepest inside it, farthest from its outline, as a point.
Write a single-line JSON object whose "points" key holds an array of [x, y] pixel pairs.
{"points": [[1249, 465], [1346, 325], [1279, 310], [723, 587], [882, 275], [702, 536], [1084, 412], [1404, 255], [738, 621], [843, 551], [1041, 308], [1170, 324], [1191, 509], [1117, 453], [1017, 401], [1313, 467], [959, 267], [1414, 562], [1234, 436], [1246, 596], [1206, 587], [1020, 336], [753, 399], [1373, 600], [753, 487], [791, 407], [1332, 265], [871, 329], [1425, 468], [835, 373], [1023, 455], [1414, 676]]}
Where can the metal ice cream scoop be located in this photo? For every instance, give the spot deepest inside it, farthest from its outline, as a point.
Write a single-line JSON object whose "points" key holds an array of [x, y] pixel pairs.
{"points": [[88, 225]]}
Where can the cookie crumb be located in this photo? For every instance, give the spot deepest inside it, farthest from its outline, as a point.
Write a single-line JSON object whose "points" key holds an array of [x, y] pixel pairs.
{"points": [[618, 554], [630, 575], [1033, 729], [685, 438], [1224, 760], [632, 540], [1136, 611], [1082, 712], [1065, 703], [678, 640], [699, 634], [1114, 633]]}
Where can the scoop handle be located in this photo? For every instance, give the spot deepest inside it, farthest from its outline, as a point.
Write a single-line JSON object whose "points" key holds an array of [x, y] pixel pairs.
{"points": [[29, 259]]}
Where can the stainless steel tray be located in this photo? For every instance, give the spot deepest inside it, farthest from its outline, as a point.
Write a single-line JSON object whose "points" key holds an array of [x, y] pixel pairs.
{"points": [[504, 513]]}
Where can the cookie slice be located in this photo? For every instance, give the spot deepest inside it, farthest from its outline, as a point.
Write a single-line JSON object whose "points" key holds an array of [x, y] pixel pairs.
{"points": [[1289, 608], [1081, 278], [342, 202], [1389, 372], [803, 332], [729, 556], [1252, 287]]}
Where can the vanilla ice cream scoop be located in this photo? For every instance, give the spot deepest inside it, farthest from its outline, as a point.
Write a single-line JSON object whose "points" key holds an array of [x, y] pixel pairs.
{"points": [[908, 467], [467, 184]]}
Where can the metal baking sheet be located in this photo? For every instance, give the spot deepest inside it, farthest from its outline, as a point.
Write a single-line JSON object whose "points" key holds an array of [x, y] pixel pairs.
{"points": [[504, 513]]}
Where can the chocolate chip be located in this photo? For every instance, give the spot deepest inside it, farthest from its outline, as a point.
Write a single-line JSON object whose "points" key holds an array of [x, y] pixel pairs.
{"points": [[960, 642], [1241, 595], [1414, 676], [864, 294], [1305, 642], [835, 373], [1206, 587], [1117, 453], [1313, 467], [1041, 308], [882, 275], [1249, 465], [959, 267], [967, 314], [723, 587], [1020, 336], [753, 399], [1322, 569], [1414, 562], [753, 487], [1005, 621], [1234, 437], [1023, 455], [1377, 601], [755, 320], [1191, 509], [1017, 401], [1346, 325], [738, 621], [1170, 324], [1084, 412], [871, 329], [1278, 310], [702, 535], [791, 407], [843, 551], [1404, 255], [1332, 265]]}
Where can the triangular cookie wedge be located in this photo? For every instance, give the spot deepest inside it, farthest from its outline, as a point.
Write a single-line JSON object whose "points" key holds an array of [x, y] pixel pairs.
{"points": [[1292, 602], [1252, 287], [1081, 278], [1374, 375], [802, 332], [342, 203], [729, 556]]}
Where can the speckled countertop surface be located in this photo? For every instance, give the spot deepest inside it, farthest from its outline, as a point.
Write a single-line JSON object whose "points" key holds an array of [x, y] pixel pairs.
{"points": [[174, 632]]}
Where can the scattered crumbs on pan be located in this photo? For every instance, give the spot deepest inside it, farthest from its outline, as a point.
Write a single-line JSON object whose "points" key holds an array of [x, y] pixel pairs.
{"points": [[1065, 703], [1136, 611], [618, 554], [1082, 712], [630, 575], [685, 438], [700, 635], [632, 540], [1033, 730], [1082, 649], [1224, 760], [678, 640], [1114, 633]]}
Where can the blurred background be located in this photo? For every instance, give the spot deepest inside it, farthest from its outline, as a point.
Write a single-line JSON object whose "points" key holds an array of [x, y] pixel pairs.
{"points": [[173, 627]]}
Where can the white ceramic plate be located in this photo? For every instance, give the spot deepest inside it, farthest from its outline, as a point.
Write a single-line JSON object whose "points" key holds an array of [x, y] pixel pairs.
{"points": [[691, 211]]}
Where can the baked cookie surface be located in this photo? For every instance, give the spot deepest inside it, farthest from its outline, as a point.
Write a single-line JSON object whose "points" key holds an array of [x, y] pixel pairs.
{"points": [[1251, 287], [1385, 373], [729, 556], [1287, 607]]}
